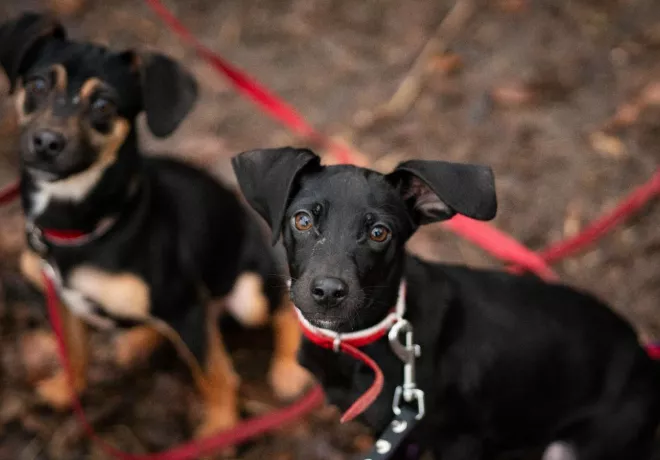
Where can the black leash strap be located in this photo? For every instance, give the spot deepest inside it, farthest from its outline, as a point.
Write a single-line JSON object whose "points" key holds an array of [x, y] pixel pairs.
{"points": [[386, 446]]}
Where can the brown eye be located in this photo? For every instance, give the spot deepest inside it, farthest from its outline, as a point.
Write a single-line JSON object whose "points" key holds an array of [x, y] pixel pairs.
{"points": [[303, 221], [37, 87], [379, 234], [102, 107]]}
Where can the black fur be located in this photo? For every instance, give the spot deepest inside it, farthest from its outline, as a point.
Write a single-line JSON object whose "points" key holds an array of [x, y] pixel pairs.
{"points": [[177, 229], [508, 363]]}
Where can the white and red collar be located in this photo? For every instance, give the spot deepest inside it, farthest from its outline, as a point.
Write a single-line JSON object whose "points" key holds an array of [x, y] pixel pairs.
{"points": [[350, 343], [331, 339]]}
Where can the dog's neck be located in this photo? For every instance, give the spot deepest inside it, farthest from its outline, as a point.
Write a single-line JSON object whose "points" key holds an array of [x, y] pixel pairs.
{"points": [[86, 199]]}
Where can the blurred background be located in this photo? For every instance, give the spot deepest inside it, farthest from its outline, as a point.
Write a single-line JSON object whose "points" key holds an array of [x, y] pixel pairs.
{"points": [[560, 97]]}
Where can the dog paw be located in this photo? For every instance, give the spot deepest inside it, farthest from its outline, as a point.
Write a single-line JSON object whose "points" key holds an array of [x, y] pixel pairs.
{"points": [[289, 379], [56, 392], [216, 421]]}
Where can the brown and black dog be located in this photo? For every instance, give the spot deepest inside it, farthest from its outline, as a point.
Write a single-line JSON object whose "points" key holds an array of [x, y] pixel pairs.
{"points": [[134, 241]]}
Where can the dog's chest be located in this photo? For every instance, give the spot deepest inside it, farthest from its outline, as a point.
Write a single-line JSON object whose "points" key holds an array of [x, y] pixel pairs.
{"points": [[103, 299]]}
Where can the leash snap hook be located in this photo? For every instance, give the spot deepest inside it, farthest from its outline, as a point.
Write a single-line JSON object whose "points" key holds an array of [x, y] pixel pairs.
{"points": [[407, 351], [35, 236]]}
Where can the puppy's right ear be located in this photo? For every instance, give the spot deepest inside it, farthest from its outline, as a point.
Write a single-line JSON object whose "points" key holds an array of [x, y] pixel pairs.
{"points": [[267, 178], [21, 39]]}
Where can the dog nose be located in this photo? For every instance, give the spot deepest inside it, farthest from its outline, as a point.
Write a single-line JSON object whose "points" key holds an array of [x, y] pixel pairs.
{"points": [[329, 292], [48, 144]]}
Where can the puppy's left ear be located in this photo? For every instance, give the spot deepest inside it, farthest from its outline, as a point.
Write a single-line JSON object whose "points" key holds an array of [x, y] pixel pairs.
{"points": [[268, 177], [20, 40], [168, 90], [436, 190]]}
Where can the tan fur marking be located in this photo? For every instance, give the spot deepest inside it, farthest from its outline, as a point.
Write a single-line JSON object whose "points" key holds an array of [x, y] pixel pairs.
{"points": [[31, 268], [23, 118], [136, 345], [122, 295], [61, 77], [89, 87], [76, 187], [56, 390], [219, 390], [287, 378], [247, 302]]}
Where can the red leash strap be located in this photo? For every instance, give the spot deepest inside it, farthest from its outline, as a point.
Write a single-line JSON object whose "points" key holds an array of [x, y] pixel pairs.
{"points": [[194, 449], [270, 104], [368, 397], [626, 208], [502, 246], [10, 192]]}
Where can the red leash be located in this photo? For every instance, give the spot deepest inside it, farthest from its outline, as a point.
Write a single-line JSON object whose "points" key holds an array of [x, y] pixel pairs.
{"points": [[193, 449], [9, 193], [246, 85], [484, 235]]}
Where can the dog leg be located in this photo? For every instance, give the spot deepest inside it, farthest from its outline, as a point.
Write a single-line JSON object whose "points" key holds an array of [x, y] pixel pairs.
{"points": [[57, 391], [136, 346], [31, 268], [287, 378], [219, 388]]}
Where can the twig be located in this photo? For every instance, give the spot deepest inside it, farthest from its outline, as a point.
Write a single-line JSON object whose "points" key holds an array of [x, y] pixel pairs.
{"points": [[411, 86]]}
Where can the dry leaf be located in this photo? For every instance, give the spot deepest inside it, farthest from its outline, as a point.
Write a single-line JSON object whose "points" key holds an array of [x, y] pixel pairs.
{"points": [[512, 94], [607, 145], [67, 7], [512, 6], [447, 64]]}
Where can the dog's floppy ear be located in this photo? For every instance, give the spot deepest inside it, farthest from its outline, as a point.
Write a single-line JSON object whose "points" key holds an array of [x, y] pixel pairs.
{"points": [[267, 178], [169, 91], [436, 190], [21, 38]]}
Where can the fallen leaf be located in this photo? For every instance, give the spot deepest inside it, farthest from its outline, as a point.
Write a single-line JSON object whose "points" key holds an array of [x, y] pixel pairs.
{"points": [[67, 7], [607, 145], [447, 64], [512, 6], [512, 94]]}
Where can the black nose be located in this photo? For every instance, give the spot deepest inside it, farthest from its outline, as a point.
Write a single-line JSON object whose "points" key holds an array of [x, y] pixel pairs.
{"points": [[329, 292], [48, 144]]}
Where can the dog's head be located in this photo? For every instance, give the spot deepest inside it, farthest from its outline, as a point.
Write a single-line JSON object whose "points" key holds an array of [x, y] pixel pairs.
{"points": [[77, 102], [344, 227]]}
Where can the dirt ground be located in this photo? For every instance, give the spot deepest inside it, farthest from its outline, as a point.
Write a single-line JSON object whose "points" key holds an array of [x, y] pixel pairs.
{"points": [[560, 97]]}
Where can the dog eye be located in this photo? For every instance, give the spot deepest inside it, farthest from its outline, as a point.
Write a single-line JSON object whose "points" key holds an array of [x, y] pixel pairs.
{"points": [[102, 107], [37, 87], [303, 221], [379, 233]]}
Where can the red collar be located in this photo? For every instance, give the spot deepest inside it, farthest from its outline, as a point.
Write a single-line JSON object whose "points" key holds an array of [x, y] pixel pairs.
{"points": [[68, 237], [350, 342]]}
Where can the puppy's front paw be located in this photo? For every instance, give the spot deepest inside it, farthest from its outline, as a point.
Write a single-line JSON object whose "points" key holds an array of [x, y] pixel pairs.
{"points": [[56, 391], [289, 379], [218, 419]]}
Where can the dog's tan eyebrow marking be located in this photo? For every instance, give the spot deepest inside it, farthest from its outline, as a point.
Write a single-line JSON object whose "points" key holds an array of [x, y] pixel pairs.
{"points": [[61, 77], [88, 87]]}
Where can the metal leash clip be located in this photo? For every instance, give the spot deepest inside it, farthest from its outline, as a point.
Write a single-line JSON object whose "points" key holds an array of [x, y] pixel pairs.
{"points": [[407, 352], [35, 237]]}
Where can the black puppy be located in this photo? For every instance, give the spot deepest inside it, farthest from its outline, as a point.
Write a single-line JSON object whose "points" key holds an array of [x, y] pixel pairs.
{"points": [[134, 241], [507, 362]]}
